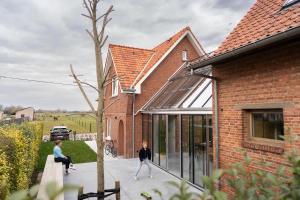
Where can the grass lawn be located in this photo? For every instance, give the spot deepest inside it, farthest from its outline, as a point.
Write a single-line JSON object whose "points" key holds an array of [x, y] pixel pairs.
{"points": [[78, 150], [81, 123]]}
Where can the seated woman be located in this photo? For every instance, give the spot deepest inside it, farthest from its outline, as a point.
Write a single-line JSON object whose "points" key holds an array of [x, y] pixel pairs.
{"points": [[59, 157]]}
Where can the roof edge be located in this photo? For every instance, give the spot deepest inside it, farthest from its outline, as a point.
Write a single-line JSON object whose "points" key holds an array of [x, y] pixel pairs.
{"points": [[245, 49]]}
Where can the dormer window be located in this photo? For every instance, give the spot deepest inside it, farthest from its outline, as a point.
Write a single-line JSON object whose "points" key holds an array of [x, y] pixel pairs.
{"points": [[184, 56], [288, 3], [115, 84]]}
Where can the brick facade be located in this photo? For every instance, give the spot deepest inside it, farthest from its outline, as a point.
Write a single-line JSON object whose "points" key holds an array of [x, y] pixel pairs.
{"points": [[121, 110], [266, 79]]}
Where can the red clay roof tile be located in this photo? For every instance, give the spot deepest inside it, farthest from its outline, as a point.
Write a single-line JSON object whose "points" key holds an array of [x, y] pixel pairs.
{"points": [[265, 19], [132, 64]]}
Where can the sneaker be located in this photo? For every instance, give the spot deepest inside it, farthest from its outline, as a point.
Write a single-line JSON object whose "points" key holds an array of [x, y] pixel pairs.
{"points": [[150, 176], [67, 172], [72, 167], [136, 178]]}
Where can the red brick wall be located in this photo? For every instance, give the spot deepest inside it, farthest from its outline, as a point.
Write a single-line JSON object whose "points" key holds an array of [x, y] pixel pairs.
{"points": [[158, 78], [122, 109], [268, 77]]}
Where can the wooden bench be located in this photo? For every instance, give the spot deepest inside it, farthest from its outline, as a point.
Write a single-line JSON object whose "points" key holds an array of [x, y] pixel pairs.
{"points": [[53, 172]]}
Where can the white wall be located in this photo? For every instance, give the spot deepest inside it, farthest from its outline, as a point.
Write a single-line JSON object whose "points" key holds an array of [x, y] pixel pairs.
{"points": [[28, 112]]}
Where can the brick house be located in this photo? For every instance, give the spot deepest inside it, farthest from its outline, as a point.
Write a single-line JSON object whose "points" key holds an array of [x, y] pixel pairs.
{"points": [[257, 86], [134, 75]]}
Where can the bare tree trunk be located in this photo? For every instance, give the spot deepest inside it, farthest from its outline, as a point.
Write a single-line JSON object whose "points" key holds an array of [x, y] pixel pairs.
{"points": [[99, 39]]}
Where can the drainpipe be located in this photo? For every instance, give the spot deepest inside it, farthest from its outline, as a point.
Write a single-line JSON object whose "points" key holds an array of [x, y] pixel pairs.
{"points": [[216, 123], [132, 91], [133, 123]]}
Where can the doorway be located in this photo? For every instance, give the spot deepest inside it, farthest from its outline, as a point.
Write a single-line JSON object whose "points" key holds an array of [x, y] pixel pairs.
{"points": [[121, 138]]}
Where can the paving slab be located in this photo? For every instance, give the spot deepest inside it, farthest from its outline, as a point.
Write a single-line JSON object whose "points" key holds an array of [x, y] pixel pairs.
{"points": [[122, 170]]}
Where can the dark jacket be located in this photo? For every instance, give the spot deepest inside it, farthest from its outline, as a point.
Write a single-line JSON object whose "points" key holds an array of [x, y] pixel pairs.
{"points": [[144, 153]]}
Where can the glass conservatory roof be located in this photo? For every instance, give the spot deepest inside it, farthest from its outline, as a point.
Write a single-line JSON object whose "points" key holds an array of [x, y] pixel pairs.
{"points": [[184, 91]]}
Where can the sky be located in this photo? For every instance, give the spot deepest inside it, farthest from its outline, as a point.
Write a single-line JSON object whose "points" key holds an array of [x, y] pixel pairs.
{"points": [[39, 40]]}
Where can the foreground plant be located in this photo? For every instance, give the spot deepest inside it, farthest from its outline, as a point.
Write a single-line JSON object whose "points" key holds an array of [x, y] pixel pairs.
{"points": [[247, 183], [52, 192]]}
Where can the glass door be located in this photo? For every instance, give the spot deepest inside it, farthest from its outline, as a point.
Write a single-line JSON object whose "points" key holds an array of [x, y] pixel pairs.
{"points": [[162, 142], [174, 145], [200, 149], [186, 150], [155, 136]]}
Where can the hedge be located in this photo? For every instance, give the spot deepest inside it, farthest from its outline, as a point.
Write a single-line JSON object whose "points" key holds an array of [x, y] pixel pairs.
{"points": [[19, 147]]}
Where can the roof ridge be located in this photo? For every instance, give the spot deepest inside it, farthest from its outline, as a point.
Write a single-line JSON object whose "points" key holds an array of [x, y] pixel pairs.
{"points": [[182, 30], [130, 47]]}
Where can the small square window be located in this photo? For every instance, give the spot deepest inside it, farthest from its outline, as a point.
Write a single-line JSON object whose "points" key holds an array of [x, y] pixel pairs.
{"points": [[184, 56], [115, 88], [267, 124]]}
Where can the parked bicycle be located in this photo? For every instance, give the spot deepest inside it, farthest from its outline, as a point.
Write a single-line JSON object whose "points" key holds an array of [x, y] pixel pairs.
{"points": [[110, 147]]}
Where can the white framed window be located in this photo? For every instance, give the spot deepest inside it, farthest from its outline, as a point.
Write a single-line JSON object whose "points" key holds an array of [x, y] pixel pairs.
{"points": [[115, 88], [108, 127], [184, 55]]}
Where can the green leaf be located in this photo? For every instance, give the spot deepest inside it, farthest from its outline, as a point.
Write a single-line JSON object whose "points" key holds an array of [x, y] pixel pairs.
{"points": [[220, 195]]}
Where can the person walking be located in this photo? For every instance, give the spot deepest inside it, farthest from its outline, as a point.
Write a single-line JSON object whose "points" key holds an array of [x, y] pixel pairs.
{"points": [[59, 157], [145, 157]]}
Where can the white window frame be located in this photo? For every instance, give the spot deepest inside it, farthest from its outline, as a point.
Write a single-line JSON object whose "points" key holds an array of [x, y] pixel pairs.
{"points": [[114, 87], [184, 55], [108, 127]]}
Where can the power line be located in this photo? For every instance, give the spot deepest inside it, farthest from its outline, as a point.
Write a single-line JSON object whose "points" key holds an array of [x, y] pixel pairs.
{"points": [[37, 81]]}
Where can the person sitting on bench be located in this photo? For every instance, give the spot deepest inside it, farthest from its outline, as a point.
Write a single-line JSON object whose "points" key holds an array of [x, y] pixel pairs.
{"points": [[59, 157]]}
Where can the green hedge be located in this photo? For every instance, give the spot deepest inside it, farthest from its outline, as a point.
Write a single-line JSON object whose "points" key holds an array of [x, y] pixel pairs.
{"points": [[19, 147]]}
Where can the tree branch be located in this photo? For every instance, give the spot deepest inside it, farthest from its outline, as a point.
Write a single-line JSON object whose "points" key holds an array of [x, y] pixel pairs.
{"points": [[109, 105], [86, 16], [104, 23], [82, 90], [104, 41], [90, 34], [87, 7], [88, 84]]}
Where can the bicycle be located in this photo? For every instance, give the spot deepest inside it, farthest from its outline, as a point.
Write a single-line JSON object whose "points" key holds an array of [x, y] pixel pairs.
{"points": [[110, 149]]}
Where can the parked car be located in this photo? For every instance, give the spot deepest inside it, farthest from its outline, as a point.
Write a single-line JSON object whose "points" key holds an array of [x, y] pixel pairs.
{"points": [[60, 133]]}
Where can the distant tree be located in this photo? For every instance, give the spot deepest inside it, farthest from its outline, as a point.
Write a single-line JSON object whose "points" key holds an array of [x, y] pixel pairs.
{"points": [[11, 110]]}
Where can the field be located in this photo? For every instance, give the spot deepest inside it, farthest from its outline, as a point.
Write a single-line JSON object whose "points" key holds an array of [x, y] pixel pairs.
{"points": [[81, 123], [78, 150]]}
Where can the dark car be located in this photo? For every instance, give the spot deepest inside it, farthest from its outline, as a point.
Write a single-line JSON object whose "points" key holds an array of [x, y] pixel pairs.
{"points": [[60, 133]]}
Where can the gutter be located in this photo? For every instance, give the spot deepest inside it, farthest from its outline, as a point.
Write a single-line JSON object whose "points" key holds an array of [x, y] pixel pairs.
{"points": [[216, 115], [280, 37], [132, 91]]}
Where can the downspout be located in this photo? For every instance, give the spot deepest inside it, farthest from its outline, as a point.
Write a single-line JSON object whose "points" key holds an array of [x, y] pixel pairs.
{"points": [[216, 122], [133, 124]]}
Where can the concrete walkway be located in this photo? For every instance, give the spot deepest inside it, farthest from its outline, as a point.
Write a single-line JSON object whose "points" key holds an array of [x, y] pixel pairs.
{"points": [[122, 170]]}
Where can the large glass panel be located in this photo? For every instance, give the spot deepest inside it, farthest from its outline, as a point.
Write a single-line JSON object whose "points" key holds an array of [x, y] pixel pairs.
{"points": [[163, 141], [210, 145], [155, 145], [146, 132], [200, 154], [173, 145], [186, 150]]}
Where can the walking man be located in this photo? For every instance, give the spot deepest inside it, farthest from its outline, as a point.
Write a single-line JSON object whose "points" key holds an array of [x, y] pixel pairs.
{"points": [[145, 157]]}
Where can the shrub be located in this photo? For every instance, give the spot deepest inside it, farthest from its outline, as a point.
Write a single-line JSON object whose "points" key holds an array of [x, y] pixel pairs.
{"points": [[19, 145]]}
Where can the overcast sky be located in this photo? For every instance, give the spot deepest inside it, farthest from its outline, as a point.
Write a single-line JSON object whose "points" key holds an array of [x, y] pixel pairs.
{"points": [[40, 38]]}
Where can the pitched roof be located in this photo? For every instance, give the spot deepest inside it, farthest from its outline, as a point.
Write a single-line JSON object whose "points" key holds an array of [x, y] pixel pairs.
{"points": [[132, 64], [129, 62], [265, 19]]}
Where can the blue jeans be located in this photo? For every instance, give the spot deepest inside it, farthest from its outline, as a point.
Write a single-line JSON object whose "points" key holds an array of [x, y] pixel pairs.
{"points": [[146, 162]]}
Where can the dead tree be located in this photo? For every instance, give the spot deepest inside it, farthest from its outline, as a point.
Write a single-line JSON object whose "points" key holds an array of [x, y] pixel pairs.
{"points": [[99, 38]]}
